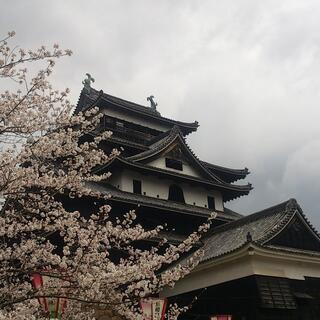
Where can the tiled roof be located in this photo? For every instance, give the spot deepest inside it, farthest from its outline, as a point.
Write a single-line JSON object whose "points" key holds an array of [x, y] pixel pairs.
{"points": [[227, 174], [158, 144], [125, 103], [132, 107], [258, 228], [165, 142], [219, 174], [119, 195], [233, 213]]}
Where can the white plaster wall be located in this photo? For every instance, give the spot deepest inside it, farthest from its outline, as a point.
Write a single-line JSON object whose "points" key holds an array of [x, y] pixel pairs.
{"points": [[159, 188], [187, 169], [136, 120], [291, 268], [115, 180], [209, 277], [200, 196]]}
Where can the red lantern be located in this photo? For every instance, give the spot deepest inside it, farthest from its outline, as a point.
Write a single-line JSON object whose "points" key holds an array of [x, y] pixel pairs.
{"points": [[153, 308], [54, 306]]}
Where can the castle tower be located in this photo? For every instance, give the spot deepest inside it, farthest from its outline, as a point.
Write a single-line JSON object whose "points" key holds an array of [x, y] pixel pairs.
{"points": [[262, 266]]}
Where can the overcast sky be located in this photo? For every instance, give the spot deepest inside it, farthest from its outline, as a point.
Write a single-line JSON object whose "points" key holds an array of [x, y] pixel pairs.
{"points": [[248, 71]]}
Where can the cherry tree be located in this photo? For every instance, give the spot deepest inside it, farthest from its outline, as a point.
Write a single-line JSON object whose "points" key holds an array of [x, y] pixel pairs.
{"points": [[43, 160]]}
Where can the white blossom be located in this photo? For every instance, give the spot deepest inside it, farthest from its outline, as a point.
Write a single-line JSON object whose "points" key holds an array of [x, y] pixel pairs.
{"points": [[43, 159]]}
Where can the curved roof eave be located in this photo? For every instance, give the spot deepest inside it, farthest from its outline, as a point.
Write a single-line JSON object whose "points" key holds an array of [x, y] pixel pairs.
{"points": [[260, 228], [133, 108], [238, 190], [249, 246], [164, 143], [234, 174]]}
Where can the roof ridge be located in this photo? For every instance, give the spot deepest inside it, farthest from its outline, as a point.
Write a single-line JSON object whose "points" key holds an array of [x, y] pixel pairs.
{"points": [[249, 218], [282, 222], [159, 143], [148, 109], [292, 207], [158, 138], [141, 108], [307, 221]]}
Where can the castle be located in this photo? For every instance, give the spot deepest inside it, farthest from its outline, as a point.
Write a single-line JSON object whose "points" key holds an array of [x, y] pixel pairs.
{"points": [[262, 266]]}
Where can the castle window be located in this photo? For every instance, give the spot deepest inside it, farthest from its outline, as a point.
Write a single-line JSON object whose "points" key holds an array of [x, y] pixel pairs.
{"points": [[176, 193], [174, 164], [136, 186], [211, 204]]}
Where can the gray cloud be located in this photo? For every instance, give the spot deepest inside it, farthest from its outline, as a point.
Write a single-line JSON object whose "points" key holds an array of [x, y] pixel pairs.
{"points": [[248, 71]]}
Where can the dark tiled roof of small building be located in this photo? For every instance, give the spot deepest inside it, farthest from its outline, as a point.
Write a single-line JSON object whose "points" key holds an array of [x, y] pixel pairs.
{"points": [[233, 213], [257, 228], [86, 99]]}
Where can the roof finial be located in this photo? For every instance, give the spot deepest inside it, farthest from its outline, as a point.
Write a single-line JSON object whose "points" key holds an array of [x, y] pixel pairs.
{"points": [[249, 237], [87, 83], [291, 205], [152, 102]]}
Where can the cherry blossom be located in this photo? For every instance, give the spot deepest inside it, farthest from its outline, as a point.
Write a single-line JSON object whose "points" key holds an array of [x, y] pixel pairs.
{"points": [[47, 157]]}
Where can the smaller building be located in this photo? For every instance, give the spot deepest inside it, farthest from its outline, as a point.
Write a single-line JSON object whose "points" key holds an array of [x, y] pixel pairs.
{"points": [[262, 266]]}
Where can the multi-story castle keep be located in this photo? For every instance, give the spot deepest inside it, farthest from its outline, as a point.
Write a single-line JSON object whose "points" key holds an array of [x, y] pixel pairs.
{"points": [[262, 266]]}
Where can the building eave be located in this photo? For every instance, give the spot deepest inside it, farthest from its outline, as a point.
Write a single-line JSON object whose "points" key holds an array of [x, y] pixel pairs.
{"points": [[234, 190], [231, 174], [132, 108], [162, 204], [175, 136], [255, 249]]}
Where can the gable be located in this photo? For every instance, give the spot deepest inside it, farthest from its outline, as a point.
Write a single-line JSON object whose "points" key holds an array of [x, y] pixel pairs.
{"points": [[175, 153], [173, 146], [297, 234]]}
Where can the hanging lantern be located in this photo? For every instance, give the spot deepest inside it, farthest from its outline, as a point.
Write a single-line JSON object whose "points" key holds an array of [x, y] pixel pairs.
{"points": [[52, 306], [153, 308]]}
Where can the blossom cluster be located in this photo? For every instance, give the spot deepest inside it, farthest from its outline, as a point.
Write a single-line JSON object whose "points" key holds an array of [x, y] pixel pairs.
{"points": [[47, 160]]}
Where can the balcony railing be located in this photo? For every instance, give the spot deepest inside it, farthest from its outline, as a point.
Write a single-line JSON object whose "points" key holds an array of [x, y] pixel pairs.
{"points": [[127, 133]]}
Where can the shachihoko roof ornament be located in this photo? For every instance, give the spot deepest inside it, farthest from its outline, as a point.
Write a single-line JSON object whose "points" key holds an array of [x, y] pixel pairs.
{"points": [[152, 102], [87, 83]]}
